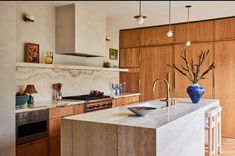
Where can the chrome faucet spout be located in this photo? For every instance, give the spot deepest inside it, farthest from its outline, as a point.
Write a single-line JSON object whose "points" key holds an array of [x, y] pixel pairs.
{"points": [[167, 89]]}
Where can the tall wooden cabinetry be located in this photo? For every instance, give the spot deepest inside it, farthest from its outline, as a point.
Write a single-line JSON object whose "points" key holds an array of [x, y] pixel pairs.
{"points": [[154, 62], [156, 50], [130, 58], [225, 84]]}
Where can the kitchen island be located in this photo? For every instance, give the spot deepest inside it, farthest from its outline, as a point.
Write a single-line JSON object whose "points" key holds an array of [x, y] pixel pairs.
{"points": [[167, 131]]}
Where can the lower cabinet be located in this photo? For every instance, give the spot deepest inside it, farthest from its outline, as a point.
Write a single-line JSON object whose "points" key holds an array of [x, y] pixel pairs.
{"points": [[123, 101], [55, 115], [35, 148], [54, 146]]}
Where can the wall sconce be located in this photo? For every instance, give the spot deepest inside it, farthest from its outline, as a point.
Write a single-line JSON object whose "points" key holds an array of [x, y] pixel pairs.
{"points": [[108, 38], [28, 18]]}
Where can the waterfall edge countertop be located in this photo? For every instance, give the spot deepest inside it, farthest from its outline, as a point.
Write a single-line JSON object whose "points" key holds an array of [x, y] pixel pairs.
{"points": [[155, 119]]}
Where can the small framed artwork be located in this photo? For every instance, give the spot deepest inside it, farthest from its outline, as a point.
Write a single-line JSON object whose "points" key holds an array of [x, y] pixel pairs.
{"points": [[113, 54], [32, 52]]}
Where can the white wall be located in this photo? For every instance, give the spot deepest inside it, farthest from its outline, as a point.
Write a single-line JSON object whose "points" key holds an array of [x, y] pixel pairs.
{"points": [[42, 31], [7, 78]]}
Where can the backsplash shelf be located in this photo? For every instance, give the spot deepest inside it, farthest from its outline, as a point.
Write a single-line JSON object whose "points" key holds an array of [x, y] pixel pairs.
{"points": [[63, 66]]}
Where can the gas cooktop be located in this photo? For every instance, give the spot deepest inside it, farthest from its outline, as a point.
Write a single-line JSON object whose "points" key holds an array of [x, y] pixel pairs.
{"points": [[85, 97]]}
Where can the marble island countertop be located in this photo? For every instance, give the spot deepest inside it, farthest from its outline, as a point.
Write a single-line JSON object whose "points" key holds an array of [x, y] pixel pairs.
{"points": [[53, 103], [155, 119]]}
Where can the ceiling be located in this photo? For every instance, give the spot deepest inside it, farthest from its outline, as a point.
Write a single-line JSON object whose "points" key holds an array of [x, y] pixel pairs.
{"points": [[121, 13]]}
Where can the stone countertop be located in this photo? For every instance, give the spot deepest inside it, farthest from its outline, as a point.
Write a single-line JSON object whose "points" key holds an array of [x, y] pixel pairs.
{"points": [[157, 118], [125, 95], [51, 104]]}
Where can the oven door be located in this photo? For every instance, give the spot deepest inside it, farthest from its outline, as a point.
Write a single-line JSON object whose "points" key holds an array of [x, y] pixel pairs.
{"points": [[31, 126]]}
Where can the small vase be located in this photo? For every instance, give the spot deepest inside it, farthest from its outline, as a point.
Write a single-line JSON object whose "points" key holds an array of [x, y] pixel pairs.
{"points": [[195, 92], [49, 58]]}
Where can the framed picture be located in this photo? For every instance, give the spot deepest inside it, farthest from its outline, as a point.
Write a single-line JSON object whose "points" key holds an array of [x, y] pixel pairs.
{"points": [[113, 54], [32, 52]]}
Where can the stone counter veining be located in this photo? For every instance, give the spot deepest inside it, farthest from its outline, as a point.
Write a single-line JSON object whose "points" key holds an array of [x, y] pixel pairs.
{"points": [[171, 131], [155, 119]]}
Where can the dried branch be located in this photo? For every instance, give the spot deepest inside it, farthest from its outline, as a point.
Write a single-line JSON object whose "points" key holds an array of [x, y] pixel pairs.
{"points": [[191, 70]]}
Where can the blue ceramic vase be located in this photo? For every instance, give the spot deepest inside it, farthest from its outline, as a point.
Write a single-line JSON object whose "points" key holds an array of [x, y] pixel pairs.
{"points": [[195, 92]]}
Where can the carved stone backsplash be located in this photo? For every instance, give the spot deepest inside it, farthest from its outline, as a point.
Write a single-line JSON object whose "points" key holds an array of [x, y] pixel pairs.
{"points": [[74, 82]]}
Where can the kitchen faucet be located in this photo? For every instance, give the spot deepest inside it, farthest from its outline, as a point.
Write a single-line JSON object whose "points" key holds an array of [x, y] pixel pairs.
{"points": [[167, 100]]}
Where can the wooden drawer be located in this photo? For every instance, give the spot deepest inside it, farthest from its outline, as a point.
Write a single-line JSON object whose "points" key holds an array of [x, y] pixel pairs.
{"points": [[60, 111], [35, 148], [133, 99], [126, 100], [79, 109]]}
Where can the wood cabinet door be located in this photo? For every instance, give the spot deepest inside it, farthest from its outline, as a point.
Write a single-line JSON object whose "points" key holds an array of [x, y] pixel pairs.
{"points": [[225, 84], [129, 38], [156, 36], [154, 62], [131, 80], [39, 147], [225, 29], [23, 150], [199, 31], [54, 127], [133, 99], [181, 82], [54, 146], [129, 58]]}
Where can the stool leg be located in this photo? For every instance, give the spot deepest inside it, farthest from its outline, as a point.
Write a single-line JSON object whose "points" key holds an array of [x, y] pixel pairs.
{"points": [[219, 135], [209, 138]]}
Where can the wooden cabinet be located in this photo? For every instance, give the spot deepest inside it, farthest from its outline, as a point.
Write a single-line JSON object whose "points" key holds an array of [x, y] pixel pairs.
{"points": [[60, 111], [123, 101], [132, 81], [181, 82], [78, 109], [55, 115], [35, 148], [54, 144], [156, 36], [154, 62], [225, 84], [199, 32], [129, 38], [129, 58], [225, 29]]}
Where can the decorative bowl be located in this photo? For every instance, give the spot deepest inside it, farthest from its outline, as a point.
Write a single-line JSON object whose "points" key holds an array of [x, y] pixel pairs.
{"points": [[21, 100], [141, 110]]}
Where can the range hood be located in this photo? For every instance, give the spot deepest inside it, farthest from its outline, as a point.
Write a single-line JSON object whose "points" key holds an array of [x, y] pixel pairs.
{"points": [[80, 31]]}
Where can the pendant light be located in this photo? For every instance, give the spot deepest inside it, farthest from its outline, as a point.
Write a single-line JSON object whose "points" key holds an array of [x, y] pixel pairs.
{"points": [[188, 43], [140, 18], [170, 32]]}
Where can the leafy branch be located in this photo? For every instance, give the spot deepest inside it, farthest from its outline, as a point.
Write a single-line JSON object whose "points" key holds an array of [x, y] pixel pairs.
{"points": [[192, 70]]}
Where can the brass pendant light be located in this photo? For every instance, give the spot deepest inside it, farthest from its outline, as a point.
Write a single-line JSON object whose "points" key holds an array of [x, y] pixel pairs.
{"points": [[140, 18], [169, 32], [188, 43]]}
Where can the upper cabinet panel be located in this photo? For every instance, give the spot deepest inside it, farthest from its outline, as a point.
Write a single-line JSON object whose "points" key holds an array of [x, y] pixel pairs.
{"points": [[129, 58], [156, 36], [129, 38], [198, 32], [225, 29]]}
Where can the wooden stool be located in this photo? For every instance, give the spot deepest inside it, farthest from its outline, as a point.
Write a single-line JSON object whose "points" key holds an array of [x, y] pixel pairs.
{"points": [[218, 129], [211, 120]]}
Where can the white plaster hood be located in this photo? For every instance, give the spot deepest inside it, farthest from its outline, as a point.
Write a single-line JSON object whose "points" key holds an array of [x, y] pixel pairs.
{"points": [[80, 31]]}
